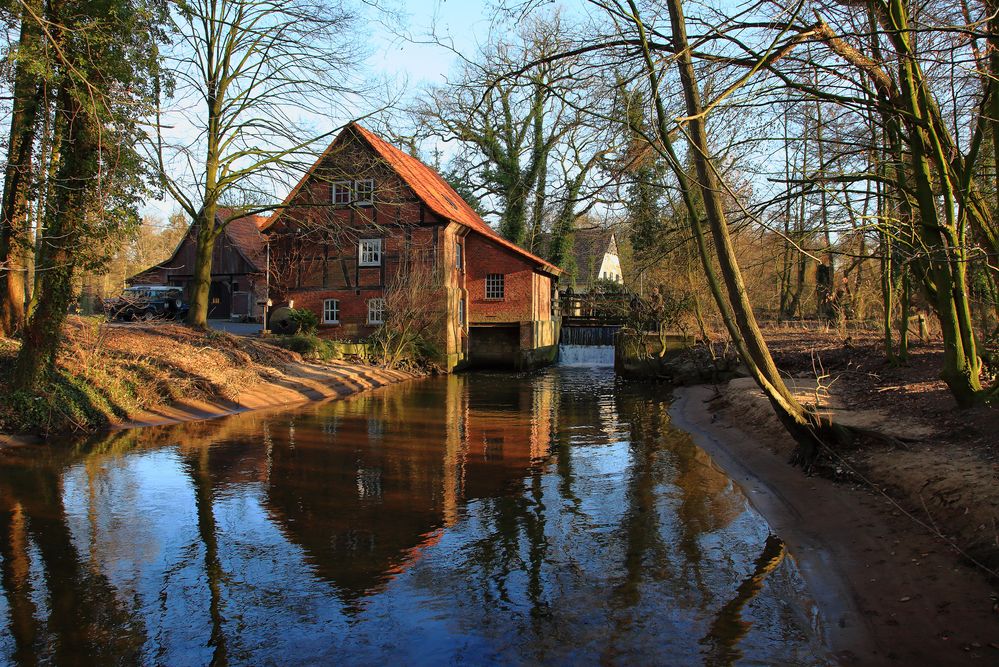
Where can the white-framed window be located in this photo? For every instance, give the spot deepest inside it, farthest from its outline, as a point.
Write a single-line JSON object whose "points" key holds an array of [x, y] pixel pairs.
{"points": [[459, 260], [343, 193], [376, 311], [331, 311], [494, 286], [364, 191], [461, 312], [370, 252]]}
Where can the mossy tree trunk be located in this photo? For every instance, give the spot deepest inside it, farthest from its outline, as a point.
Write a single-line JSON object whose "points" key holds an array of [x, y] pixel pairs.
{"points": [[208, 232], [57, 261], [14, 243]]}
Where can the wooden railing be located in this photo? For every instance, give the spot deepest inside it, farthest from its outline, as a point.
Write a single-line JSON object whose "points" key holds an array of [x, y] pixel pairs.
{"points": [[594, 309]]}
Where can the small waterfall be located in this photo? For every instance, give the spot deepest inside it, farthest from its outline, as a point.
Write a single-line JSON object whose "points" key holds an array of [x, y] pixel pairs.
{"points": [[589, 336], [586, 355], [587, 346]]}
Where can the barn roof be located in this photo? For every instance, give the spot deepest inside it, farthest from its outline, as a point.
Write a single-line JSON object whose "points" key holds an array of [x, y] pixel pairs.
{"points": [[244, 233], [430, 187]]}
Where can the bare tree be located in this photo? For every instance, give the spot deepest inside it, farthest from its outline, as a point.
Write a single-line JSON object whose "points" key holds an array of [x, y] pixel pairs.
{"points": [[252, 76], [525, 139], [414, 316]]}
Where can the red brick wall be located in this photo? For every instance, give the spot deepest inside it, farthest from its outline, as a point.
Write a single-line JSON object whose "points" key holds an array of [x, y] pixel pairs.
{"points": [[522, 286], [364, 282], [314, 244]]}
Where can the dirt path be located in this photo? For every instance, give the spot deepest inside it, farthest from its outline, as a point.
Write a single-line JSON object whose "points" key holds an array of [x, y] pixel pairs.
{"points": [[888, 591]]}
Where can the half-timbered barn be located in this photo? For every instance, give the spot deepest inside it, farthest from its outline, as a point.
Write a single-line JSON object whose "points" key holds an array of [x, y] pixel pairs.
{"points": [[238, 268], [371, 230]]}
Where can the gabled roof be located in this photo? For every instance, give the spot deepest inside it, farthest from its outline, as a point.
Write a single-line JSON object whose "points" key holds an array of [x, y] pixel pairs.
{"points": [[428, 185], [244, 233], [589, 247]]}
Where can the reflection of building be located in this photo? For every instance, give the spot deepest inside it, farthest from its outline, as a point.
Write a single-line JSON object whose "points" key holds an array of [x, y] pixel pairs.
{"points": [[364, 485]]}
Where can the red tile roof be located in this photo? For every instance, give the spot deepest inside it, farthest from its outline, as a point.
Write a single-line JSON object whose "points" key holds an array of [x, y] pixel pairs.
{"points": [[244, 233], [433, 190]]}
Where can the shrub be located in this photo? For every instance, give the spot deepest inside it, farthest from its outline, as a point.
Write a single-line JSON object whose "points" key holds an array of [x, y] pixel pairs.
{"points": [[308, 321], [309, 346]]}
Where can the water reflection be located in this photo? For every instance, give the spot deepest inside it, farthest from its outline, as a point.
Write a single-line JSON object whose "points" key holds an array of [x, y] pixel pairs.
{"points": [[552, 517]]}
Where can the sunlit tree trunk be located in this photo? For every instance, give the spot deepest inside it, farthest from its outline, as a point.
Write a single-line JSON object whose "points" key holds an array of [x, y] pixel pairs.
{"points": [[14, 245], [736, 309]]}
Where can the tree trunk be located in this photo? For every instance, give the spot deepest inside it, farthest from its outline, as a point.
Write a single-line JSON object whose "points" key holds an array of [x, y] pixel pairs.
{"points": [[14, 248], [67, 216], [197, 316], [804, 426], [943, 237]]}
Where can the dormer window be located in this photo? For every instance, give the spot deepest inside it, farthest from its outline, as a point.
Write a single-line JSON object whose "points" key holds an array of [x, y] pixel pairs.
{"points": [[364, 192], [370, 252], [343, 193]]}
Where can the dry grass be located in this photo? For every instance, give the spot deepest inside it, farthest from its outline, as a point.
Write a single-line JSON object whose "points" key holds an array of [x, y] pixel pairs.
{"points": [[108, 371]]}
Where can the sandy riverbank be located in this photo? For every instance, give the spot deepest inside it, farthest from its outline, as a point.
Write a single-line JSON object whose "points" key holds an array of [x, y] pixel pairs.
{"points": [[293, 384], [114, 377], [889, 591]]}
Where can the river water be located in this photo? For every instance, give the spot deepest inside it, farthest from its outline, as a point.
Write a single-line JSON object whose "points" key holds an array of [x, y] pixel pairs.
{"points": [[554, 517]]}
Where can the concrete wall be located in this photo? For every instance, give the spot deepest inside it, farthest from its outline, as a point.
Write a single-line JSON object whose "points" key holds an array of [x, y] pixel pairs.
{"points": [[517, 346], [642, 354]]}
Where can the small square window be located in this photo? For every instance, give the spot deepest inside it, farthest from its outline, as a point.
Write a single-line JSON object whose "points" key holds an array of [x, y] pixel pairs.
{"points": [[494, 286], [370, 252], [331, 311], [376, 311], [364, 192], [342, 193]]}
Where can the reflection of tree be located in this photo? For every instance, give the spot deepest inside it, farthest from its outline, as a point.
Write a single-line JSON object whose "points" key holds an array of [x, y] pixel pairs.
{"points": [[642, 533], [728, 627], [86, 622], [708, 503], [705, 503], [14, 570], [198, 467]]}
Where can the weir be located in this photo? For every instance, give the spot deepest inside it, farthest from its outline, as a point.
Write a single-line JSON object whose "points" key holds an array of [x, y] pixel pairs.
{"points": [[587, 346]]}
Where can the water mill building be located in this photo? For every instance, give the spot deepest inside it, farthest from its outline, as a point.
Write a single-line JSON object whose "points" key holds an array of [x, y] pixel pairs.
{"points": [[371, 228]]}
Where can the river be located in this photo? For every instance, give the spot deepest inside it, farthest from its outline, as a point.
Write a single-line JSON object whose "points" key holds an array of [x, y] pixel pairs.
{"points": [[554, 517]]}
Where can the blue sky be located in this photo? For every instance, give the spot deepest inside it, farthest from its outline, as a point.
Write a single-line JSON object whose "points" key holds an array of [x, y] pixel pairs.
{"points": [[464, 22]]}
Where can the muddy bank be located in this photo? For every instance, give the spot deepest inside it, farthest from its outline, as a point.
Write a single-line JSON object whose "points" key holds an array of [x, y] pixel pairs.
{"points": [[889, 590]]}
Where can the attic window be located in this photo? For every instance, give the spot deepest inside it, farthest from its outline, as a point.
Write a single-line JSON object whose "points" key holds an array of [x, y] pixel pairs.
{"points": [[364, 192], [342, 193], [451, 201]]}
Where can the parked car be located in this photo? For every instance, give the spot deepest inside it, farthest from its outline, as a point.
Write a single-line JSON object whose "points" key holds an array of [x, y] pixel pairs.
{"points": [[148, 302]]}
